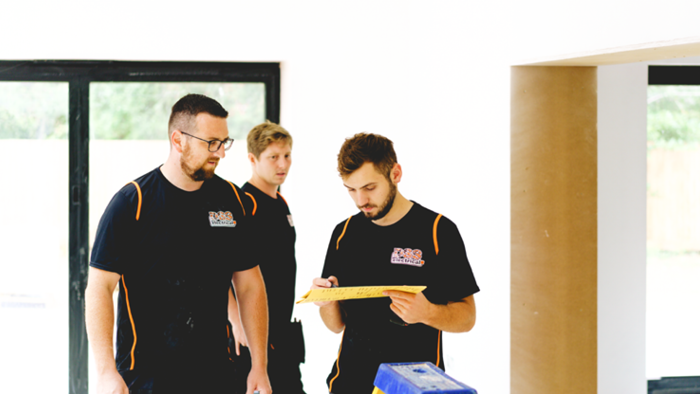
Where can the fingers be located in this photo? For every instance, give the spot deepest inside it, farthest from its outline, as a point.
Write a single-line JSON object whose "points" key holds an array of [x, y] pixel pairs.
{"points": [[398, 294], [238, 348], [319, 283], [395, 309], [323, 283], [333, 280]]}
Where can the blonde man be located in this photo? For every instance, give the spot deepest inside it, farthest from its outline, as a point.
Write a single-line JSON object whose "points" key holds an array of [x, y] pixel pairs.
{"points": [[270, 156]]}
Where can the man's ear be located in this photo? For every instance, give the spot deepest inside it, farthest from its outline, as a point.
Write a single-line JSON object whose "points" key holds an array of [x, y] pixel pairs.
{"points": [[252, 159], [396, 173], [176, 140]]}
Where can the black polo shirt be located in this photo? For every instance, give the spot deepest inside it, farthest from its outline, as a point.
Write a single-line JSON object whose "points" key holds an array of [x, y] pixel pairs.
{"points": [[422, 248], [277, 259], [176, 252]]}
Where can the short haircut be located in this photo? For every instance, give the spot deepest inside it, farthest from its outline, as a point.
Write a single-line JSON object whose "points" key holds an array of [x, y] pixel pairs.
{"points": [[264, 134], [188, 107], [366, 148]]}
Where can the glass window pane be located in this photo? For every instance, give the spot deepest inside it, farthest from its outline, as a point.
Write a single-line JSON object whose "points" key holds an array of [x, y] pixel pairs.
{"points": [[34, 249], [140, 111], [129, 135], [673, 231]]}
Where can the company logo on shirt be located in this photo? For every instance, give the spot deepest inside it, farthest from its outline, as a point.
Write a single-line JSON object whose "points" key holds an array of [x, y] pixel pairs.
{"points": [[407, 257], [221, 219]]}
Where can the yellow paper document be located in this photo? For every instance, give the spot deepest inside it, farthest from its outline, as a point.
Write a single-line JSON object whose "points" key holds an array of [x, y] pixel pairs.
{"points": [[350, 293]]}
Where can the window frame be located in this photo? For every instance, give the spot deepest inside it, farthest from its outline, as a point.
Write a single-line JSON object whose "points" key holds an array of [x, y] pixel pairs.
{"points": [[674, 75], [79, 75]]}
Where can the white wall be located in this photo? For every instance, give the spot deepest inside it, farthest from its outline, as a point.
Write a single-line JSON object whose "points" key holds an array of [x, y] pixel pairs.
{"points": [[622, 137], [431, 75], [400, 69]]}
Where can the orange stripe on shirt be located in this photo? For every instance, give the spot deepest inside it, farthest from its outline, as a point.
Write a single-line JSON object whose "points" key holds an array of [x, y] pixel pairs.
{"points": [[133, 325], [228, 335], [255, 203], [239, 197], [285, 201], [337, 245], [437, 363], [138, 190], [437, 219], [337, 363]]}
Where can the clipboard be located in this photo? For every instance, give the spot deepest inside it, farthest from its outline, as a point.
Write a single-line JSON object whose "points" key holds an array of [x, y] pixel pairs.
{"points": [[354, 292]]}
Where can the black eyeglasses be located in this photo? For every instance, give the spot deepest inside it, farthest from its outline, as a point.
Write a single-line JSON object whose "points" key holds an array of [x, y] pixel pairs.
{"points": [[213, 147]]}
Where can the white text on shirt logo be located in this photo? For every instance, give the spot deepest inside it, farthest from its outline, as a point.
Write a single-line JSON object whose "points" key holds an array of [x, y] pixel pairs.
{"points": [[407, 257], [221, 219]]}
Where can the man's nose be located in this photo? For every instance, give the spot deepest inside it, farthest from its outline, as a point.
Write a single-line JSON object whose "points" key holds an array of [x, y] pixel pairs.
{"points": [[282, 163], [221, 152], [362, 198]]}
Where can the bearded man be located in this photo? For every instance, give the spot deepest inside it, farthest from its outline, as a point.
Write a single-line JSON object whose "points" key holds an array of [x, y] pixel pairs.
{"points": [[174, 240], [391, 241]]}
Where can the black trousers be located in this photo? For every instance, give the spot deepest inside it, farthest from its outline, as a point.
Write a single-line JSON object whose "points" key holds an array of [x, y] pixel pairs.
{"points": [[209, 379]]}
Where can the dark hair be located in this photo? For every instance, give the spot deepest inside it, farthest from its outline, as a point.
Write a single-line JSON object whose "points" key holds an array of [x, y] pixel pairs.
{"points": [[188, 107], [363, 148]]}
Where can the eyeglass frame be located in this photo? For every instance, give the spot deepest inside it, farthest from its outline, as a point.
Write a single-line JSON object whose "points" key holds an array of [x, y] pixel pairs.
{"points": [[221, 143]]}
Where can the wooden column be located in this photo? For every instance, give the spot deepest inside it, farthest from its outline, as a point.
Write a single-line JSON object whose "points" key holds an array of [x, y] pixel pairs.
{"points": [[553, 230]]}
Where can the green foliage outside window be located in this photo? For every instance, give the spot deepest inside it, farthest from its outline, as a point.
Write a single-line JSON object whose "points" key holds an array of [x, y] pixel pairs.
{"points": [[673, 118], [120, 111], [33, 110], [140, 111]]}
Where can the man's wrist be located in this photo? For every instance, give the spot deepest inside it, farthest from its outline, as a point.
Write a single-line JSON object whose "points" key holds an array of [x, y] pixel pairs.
{"points": [[431, 317], [330, 305], [108, 370]]}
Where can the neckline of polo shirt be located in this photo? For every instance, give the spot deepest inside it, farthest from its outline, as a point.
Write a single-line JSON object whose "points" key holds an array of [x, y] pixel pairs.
{"points": [[182, 192], [410, 211], [259, 192]]}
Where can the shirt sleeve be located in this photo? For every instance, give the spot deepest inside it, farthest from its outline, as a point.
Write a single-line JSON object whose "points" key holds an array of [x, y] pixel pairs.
{"points": [[253, 237], [114, 238], [455, 278], [331, 265]]}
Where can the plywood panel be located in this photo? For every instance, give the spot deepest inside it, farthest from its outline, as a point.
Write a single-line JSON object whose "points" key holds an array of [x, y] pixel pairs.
{"points": [[553, 230]]}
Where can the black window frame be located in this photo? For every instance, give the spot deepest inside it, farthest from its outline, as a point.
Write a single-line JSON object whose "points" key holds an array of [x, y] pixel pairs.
{"points": [[674, 75], [79, 74]]}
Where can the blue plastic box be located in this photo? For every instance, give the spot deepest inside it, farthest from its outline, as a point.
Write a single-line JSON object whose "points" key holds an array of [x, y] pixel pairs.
{"points": [[417, 378]]}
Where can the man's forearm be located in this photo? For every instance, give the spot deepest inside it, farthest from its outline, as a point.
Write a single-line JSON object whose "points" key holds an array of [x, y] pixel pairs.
{"points": [[233, 314], [252, 303], [99, 321], [454, 317], [332, 316]]}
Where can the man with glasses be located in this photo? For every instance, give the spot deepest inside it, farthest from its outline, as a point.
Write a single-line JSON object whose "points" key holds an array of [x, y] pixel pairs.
{"points": [[173, 240]]}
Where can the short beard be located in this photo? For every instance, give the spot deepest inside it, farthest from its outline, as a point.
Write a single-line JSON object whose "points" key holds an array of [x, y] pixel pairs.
{"points": [[196, 175], [386, 205]]}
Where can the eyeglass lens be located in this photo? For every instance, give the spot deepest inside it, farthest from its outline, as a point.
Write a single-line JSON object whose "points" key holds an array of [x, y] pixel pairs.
{"points": [[216, 145]]}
